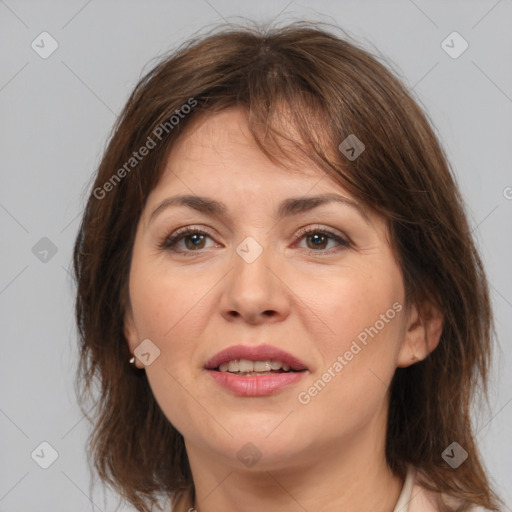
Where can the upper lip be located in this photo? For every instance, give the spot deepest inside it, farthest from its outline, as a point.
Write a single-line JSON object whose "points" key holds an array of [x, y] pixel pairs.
{"points": [[254, 353]]}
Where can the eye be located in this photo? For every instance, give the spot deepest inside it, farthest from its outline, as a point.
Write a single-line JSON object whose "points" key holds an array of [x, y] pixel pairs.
{"points": [[193, 239], [317, 239], [187, 239]]}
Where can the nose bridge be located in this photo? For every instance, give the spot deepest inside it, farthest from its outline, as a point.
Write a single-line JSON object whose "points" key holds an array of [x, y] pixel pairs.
{"points": [[252, 290], [252, 260]]}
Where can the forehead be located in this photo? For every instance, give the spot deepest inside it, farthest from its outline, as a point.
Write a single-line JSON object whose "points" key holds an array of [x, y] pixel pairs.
{"points": [[218, 152], [217, 160]]}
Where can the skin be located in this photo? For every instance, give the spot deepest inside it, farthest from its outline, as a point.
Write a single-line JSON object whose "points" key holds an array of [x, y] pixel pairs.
{"points": [[327, 454]]}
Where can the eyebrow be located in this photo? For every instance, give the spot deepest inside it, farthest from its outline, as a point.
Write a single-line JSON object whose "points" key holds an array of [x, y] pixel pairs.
{"points": [[287, 208]]}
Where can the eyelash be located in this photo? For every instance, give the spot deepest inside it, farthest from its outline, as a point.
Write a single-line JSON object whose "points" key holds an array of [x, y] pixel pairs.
{"points": [[169, 242]]}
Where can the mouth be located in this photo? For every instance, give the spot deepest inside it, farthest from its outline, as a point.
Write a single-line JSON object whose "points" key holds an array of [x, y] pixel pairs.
{"points": [[246, 367], [258, 360], [255, 371]]}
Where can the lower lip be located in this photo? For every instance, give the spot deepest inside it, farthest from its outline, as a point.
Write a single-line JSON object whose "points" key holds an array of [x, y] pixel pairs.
{"points": [[254, 385]]}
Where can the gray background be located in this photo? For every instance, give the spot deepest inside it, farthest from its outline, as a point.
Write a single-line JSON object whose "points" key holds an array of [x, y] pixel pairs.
{"points": [[57, 114]]}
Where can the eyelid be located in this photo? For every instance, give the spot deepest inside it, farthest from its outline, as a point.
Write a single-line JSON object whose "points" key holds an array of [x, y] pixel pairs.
{"points": [[342, 239], [170, 240]]}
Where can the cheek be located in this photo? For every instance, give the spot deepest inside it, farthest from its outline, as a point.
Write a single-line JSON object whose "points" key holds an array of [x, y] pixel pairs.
{"points": [[352, 304], [173, 310], [358, 359], [357, 340], [169, 311], [169, 306]]}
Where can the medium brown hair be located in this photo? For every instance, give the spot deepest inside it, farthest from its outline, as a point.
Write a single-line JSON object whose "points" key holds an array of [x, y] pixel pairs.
{"points": [[329, 87]]}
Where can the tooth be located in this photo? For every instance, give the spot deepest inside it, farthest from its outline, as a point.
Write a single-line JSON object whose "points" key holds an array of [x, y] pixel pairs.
{"points": [[247, 367], [233, 366], [244, 365], [262, 366]]}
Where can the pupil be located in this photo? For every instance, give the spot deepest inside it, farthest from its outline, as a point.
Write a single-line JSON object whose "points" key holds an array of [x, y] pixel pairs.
{"points": [[196, 240], [317, 239]]}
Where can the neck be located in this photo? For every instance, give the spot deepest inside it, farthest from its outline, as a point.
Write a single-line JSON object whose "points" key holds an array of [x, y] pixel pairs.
{"points": [[353, 477]]}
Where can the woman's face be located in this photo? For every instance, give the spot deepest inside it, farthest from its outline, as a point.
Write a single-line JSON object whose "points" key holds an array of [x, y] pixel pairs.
{"points": [[332, 298]]}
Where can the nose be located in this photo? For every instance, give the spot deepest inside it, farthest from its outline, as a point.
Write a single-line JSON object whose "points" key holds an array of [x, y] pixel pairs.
{"points": [[254, 292]]}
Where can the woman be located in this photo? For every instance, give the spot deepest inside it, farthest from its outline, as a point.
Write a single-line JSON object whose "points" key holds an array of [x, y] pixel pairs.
{"points": [[276, 243]]}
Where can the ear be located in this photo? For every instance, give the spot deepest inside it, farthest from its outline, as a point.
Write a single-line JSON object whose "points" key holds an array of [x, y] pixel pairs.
{"points": [[131, 335], [422, 332]]}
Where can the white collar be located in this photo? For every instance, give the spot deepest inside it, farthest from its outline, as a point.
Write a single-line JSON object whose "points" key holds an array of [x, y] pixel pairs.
{"points": [[402, 505]]}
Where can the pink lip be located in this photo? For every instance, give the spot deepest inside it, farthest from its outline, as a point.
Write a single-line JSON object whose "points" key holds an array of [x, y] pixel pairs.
{"points": [[254, 385], [257, 353]]}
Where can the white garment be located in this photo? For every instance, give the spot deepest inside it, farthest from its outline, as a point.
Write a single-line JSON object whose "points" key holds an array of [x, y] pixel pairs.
{"points": [[402, 505]]}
